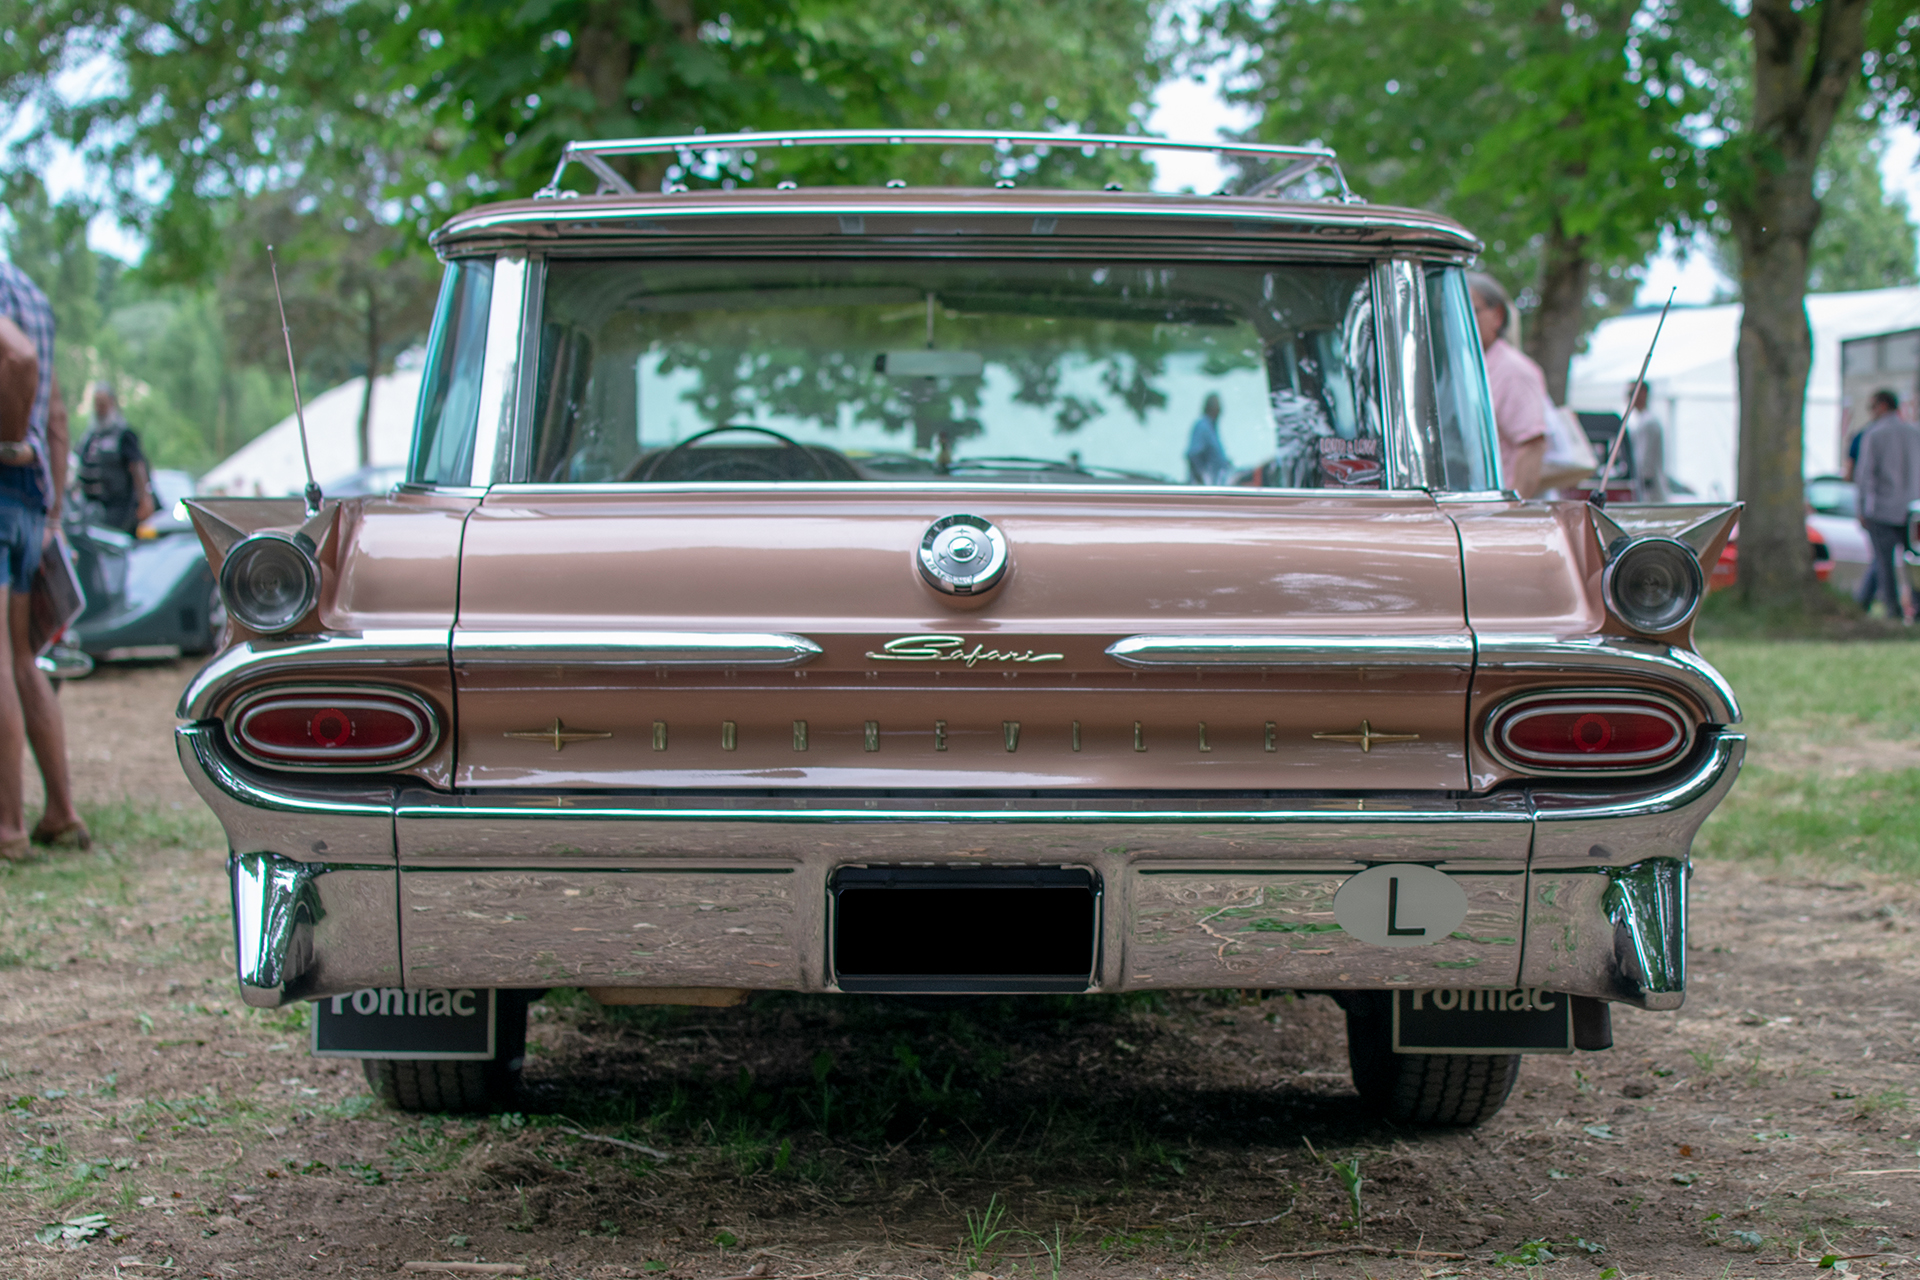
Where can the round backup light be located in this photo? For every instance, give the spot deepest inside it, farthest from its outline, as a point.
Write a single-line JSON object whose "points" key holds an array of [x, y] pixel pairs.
{"points": [[963, 555], [334, 729], [1655, 584], [1578, 732], [269, 582]]}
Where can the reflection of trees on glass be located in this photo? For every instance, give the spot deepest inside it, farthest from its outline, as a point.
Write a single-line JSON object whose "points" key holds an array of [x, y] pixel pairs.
{"points": [[804, 347], [817, 365]]}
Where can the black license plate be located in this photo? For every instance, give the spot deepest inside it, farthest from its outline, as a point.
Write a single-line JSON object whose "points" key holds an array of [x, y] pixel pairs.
{"points": [[395, 1022], [970, 929], [1478, 1020]]}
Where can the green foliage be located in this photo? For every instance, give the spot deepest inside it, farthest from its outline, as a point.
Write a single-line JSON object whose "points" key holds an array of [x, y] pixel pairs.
{"points": [[381, 114], [165, 348], [1552, 138], [342, 132], [1530, 1254], [507, 83], [985, 1231], [1866, 237]]}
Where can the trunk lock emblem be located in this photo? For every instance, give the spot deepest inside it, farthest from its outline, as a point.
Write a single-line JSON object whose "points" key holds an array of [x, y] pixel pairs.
{"points": [[963, 555]]}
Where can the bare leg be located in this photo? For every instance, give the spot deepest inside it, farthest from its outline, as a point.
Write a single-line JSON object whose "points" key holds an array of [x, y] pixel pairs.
{"points": [[13, 819], [46, 727]]}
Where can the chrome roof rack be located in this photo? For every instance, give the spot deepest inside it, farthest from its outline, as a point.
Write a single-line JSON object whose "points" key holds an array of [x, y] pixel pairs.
{"points": [[1295, 162]]}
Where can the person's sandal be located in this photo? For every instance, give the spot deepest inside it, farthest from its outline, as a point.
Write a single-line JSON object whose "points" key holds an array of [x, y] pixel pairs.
{"points": [[75, 836]]}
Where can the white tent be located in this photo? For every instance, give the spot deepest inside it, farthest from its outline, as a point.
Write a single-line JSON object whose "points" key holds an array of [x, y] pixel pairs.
{"points": [[1693, 383], [269, 464]]}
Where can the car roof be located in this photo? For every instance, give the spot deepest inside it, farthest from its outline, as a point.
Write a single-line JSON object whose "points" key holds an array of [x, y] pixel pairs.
{"points": [[966, 220]]}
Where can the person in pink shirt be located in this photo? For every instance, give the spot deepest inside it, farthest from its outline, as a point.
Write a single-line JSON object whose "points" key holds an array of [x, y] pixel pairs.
{"points": [[1519, 389]]}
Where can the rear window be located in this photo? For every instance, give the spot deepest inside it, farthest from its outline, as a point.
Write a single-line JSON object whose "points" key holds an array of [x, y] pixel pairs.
{"points": [[1017, 372]]}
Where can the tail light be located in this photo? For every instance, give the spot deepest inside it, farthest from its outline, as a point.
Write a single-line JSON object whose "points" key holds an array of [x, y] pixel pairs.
{"points": [[334, 729], [1589, 731]]}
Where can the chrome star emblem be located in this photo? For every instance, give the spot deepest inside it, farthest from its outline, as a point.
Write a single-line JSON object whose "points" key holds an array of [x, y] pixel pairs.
{"points": [[556, 733], [1366, 737]]}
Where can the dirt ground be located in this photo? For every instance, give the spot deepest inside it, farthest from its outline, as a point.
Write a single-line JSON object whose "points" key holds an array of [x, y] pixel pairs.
{"points": [[1766, 1125]]}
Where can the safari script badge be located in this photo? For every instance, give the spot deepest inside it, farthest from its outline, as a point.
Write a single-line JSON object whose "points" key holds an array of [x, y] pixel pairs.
{"points": [[953, 649]]}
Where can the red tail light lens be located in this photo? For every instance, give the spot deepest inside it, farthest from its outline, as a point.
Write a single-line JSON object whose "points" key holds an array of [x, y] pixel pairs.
{"points": [[1588, 732], [339, 729]]}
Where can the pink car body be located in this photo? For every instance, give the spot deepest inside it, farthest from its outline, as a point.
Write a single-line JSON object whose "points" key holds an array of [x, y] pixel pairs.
{"points": [[591, 701]]}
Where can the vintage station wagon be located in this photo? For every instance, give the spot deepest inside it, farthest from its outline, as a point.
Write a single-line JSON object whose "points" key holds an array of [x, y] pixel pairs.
{"points": [[959, 590]]}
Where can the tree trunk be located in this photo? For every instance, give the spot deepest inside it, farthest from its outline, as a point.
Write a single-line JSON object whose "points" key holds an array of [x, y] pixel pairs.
{"points": [[1558, 322], [373, 371], [1805, 60], [603, 58]]}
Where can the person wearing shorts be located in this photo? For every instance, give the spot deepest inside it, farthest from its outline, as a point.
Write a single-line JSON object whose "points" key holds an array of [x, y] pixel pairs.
{"points": [[32, 481]]}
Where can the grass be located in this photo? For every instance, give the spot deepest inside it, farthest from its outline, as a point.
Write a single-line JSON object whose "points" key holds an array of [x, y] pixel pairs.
{"points": [[1810, 694], [1869, 820], [1822, 691]]}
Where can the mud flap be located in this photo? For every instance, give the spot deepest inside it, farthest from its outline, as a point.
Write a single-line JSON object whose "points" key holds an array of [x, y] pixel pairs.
{"points": [[394, 1022], [1476, 1020]]}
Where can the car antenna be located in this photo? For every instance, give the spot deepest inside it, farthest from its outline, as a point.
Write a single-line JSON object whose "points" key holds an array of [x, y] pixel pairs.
{"points": [[1598, 497], [299, 414]]}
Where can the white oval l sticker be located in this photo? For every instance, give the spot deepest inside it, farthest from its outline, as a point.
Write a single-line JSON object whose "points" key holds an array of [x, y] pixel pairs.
{"points": [[1400, 905]]}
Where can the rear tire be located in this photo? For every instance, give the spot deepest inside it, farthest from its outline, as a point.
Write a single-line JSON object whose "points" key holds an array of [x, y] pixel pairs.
{"points": [[433, 1084], [1459, 1089]]}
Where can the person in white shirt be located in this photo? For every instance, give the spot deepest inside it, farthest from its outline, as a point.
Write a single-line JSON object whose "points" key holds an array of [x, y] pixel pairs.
{"points": [[1649, 440]]}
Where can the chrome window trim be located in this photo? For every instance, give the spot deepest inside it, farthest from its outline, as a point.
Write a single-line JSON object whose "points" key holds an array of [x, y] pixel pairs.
{"points": [[1407, 383], [499, 372], [1446, 649], [635, 648], [396, 649], [945, 488], [443, 490], [509, 477], [1310, 217], [1615, 655], [1498, 747], [352, 694], [517, 456], [1479, 495]]}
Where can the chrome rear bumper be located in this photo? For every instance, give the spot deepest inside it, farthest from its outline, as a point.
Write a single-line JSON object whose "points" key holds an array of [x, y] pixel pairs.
{"points": [[338, 888]]}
